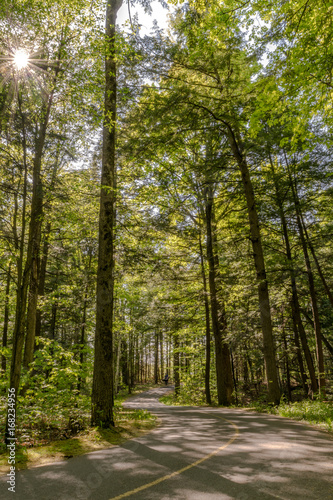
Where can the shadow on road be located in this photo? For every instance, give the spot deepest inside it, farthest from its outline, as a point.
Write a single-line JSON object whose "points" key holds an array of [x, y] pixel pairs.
{"points": [[271, 458]]}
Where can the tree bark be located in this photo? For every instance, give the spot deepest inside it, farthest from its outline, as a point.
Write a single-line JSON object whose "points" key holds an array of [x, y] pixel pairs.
{"points": [[161, 354], [156, 359], [313, 295], [41, 284], [31, 273], [30, 268], [131, 355], [6, 319], [207, 320], [259, 261], [54, 312], [30, 345], [329, 346], [176, 364], [118, 354], [295, 308], [286, 357], [300, 360], [219, 324], [124, 362], [319, 269], [82, 344], [102, 391]]}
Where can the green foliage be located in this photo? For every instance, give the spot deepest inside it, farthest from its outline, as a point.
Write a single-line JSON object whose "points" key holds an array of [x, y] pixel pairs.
{"points": [[61, 443], [315, 412], [58, 426], [51, 402], [174, 97], [194, 397], [125, 414]]}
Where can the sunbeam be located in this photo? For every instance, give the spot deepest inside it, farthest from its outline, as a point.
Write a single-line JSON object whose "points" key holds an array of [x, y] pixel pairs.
{"points": [[21, 59]]}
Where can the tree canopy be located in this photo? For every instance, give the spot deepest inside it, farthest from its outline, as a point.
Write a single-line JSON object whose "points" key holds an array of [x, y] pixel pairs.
{"points": [[165, 203]]}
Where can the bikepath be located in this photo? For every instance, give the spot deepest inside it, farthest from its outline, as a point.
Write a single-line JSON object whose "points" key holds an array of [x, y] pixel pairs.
{"points": [[194, 454]]}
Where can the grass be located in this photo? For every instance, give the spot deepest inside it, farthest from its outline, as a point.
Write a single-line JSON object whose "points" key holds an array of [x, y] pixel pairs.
{"points": [[44, 448], [181, 400], [46, 440], [317, 413], [188, 396], [314, 412], [88, 440]]}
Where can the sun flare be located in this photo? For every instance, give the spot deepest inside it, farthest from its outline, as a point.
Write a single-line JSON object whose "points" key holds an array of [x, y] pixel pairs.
{"points": [[21, 59]]}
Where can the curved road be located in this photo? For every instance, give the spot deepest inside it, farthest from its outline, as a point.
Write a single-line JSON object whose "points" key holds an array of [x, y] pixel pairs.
{"points": [[195, 454]]}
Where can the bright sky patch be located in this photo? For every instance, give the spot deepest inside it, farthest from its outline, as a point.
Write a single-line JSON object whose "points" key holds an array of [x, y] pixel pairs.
{"points": [[21, 58]]}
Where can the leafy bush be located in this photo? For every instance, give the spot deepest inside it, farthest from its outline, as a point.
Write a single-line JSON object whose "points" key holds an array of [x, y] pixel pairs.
{"points": [[49, 398], [314, 412]]}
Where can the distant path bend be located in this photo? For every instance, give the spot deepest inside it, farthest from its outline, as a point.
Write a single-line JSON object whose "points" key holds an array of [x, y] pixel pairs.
{"points": [[195, 454]]}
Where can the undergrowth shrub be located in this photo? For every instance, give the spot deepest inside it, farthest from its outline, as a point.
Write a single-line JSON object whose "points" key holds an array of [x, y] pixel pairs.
{"points": [[314, 412]]}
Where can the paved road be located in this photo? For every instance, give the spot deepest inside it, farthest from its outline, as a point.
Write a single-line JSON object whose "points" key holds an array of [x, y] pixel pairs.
{"points": [[195, 454]]}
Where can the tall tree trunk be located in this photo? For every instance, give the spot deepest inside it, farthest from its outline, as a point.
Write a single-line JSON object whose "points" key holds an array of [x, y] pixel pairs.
{"points": [[234, 374], [29, 292], [295, 308], [156, 359], [168, 363], [30, 269], [102, 391], [129, 366], [137, 359], [303, 374], [207, 320], [54, 312], [33, 296], [124, 362], [82, 345], [258, 255], [161, 354], [118, 355], [319, 269], [286, 359], [313, 295], [83, 342], [42, 278], [6, 319], [131, 354], [222, 354], [176, 364], [31, 334], [19, 243], [245, 372], [329, 346]]}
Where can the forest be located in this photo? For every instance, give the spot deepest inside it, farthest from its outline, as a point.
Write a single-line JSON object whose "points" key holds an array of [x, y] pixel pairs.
{"points": [[165, 207]]}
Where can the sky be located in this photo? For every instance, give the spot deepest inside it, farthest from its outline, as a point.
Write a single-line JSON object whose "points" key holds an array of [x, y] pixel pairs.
{"points": [[159, 13]]}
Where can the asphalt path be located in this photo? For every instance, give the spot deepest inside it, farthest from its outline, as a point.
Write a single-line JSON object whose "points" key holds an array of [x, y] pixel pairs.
{"points": [[194, 454]]}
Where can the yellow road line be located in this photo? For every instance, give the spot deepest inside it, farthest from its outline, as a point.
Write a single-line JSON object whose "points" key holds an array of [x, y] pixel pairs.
{"points": [[180, 471]]}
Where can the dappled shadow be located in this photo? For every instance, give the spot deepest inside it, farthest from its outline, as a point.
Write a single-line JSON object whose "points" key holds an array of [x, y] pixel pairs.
{"points": [[271, 458]]}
